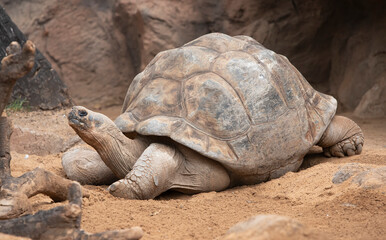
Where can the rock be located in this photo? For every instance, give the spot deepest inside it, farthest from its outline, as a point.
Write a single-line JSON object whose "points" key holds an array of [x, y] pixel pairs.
{"points": [[270, 227], [373, 102], [367, 177], [30, 141], [87, 161], [32, 137], [372, 178], [128, 19], [358, 52], [42, 87], [337, 45], [347, 171], [169, 24]]}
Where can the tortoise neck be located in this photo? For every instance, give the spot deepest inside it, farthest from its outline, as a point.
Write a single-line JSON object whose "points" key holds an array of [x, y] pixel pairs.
{"points": [[120, 153]]}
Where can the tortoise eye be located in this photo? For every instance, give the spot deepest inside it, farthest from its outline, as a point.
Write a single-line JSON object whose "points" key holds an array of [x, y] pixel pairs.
{"points": [[82, 113]]}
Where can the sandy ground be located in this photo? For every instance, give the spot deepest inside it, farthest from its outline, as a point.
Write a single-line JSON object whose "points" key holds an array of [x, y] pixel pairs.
{"points": [[343, 211]]}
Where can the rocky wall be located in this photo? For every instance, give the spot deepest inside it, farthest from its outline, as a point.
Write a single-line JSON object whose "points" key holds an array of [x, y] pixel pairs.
{"points": [[98, 46]]}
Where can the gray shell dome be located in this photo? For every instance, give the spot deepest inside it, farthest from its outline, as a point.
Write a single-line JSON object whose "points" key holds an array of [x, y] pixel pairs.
{"points": [[230, 99]]}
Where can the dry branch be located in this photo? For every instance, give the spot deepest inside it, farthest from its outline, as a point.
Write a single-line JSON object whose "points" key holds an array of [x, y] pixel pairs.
{"points": [[5, 156], [60, 222], [14, 192], [15, 65]]}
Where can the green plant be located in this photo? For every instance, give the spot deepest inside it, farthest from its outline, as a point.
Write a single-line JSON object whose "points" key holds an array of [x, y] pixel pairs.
{"points": [[18, 104]]}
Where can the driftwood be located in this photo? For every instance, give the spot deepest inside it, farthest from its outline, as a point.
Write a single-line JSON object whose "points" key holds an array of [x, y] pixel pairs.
{"points": [[14, 192], [15, 65], [60, 222]]}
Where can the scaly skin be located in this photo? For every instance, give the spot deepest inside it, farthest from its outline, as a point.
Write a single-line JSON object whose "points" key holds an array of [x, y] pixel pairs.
{"points": [[162, 167], [145, 181], [343, 137], [117, 151]]}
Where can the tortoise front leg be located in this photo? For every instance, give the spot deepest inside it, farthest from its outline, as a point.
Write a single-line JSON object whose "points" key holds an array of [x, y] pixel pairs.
{"points": [[162, 167], [342, 137], [152, 174]]}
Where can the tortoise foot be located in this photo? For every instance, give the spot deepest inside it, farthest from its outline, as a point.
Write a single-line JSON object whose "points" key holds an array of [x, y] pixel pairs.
{"points": [[152, 174], [125, 189], [347, 147]]}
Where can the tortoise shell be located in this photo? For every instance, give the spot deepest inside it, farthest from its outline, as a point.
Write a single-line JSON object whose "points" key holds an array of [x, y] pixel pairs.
{"points": [[230, 99]]}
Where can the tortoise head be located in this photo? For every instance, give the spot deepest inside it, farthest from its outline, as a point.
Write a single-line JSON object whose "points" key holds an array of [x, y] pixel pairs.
{"points": [[90, 126]]}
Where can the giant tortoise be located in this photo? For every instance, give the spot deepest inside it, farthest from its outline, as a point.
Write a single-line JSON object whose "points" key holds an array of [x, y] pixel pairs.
{"points": [[217, 112]]}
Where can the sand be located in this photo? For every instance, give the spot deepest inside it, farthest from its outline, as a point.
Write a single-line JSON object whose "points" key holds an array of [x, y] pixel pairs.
{"points": [[343, 211]]}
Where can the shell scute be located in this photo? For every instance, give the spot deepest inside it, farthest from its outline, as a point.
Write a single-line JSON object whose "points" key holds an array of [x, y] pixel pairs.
{"points": [[213, 106], [252, 81], [181, 63], [218, 42], [159, 97], [159, 125], [202, 143]]}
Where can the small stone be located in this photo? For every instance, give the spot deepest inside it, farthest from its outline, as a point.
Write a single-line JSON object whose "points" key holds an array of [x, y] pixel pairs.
{"points": [[346, 171], [368, 177], [270, 227], [348, 205], [155, 213]]}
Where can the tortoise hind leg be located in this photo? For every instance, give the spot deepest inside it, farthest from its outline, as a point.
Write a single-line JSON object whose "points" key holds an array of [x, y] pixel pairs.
{"points": [[84, 165], [162, 167], [199, 174], [343, 137]]}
